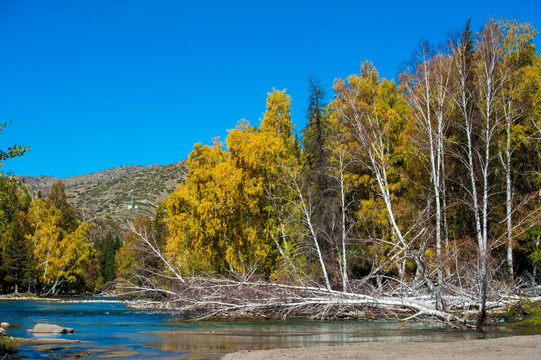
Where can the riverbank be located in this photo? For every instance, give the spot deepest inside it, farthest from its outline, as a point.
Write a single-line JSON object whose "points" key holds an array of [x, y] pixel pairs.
{"points": [[10, 344], [509, 348]]}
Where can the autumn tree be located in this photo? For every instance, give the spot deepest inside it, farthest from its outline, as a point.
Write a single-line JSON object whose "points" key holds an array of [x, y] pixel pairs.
{"points": [[61, 256], [373, 112], [15, 255], [521, 83], [222, 218], [427, 89]]}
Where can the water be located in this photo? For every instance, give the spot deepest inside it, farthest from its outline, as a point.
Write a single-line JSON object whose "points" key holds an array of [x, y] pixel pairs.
{"points": [[113, 329]]}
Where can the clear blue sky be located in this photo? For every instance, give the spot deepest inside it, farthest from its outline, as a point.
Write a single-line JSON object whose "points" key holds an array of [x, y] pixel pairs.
{"points": [[96, 84]]}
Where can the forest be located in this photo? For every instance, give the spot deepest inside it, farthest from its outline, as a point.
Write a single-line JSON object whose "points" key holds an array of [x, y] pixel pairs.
{"points": [[421, 193]]}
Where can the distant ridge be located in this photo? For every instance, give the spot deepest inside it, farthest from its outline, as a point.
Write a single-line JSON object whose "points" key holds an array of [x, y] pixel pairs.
{"points": [[117, 193], [102, 175]]}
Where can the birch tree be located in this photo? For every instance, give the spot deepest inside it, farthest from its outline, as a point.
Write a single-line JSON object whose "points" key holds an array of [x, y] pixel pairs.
{"points": [[479, 83], [427, 89], [372, 110], [340, 161], [520, 80]]}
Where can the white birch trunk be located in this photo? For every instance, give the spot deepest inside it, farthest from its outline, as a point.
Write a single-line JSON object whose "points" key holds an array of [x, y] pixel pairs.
{"points": [[306, 213], [344, 231]]}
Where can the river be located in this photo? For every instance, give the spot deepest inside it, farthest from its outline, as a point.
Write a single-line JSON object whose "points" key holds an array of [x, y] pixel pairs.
{"points": [[112, 329]]}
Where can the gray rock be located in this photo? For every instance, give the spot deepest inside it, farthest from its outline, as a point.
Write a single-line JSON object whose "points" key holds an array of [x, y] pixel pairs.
{"points": [[2, 332], [50, 329]]}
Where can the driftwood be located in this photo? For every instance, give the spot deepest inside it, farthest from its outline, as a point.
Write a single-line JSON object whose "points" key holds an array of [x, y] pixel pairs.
{"points": [[238, 296], [227, 298]]}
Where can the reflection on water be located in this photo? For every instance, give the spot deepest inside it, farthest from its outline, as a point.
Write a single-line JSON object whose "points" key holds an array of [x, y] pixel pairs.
{"points": [[116, 330], [214, 339]]}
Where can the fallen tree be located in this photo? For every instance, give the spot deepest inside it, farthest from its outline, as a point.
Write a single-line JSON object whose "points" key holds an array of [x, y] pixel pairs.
{"points": [[237, 296]]}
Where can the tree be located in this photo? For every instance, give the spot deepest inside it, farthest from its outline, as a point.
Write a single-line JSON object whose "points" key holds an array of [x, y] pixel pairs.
{"points": [[372, 111], [492, 87], [15, 257], [314, 136], [61, 256], [277, 117], [517, 103], [221, 219], [13, 151], [68, 215], [107, 248], [427, 88]]}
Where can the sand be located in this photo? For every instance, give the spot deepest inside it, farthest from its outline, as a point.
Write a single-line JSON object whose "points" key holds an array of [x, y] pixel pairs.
{"points": [[516, 347]]}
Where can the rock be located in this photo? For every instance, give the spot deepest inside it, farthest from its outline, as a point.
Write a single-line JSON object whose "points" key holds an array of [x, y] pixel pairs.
{"points": [[50, 329], [2, 332], [4, 324]]}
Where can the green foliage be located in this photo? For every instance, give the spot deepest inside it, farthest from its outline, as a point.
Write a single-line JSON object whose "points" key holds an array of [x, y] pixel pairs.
{"points": [[315, 134], [8, 345], [15, 255], [528, 251], [13, 151], [365, 181], [362, 189], [107, 248], [68, 215], [524, 313]]}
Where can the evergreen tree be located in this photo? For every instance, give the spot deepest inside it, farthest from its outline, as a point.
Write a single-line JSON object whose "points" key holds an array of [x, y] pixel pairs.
{"points": [[315, 133], [107, 248], [68, 215], [15, 259]]}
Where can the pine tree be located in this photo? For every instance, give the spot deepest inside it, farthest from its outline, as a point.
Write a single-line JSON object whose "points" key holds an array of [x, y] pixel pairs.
{"points": [[58, 198], [14, 258], [315, 133], [107, 248]]}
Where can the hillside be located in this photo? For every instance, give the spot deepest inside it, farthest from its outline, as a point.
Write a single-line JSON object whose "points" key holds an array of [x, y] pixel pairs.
{"points": [[116, 193]]}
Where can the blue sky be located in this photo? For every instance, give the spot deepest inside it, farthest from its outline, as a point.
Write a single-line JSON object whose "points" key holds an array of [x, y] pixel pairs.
{"points": [[92, 85]]}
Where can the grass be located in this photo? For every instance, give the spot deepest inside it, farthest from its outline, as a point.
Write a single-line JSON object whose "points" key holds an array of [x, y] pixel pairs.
{"points": [[8, 345], [524, 313]]}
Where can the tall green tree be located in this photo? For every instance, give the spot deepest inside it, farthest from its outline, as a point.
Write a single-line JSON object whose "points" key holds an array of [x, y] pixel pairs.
{"points": [[107, 248], [314, 135], [15, 256], [68, 214]]}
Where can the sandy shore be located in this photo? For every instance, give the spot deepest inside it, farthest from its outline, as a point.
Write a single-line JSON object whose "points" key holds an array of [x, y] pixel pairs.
{"points": [[516, 347]]}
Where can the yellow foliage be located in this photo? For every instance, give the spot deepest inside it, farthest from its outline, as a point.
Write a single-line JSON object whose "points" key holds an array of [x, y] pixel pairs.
{"points": [[60, 256], [221, 218]]}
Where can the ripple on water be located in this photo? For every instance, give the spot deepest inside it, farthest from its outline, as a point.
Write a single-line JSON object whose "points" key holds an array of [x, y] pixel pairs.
{"points": [[113, 329]]}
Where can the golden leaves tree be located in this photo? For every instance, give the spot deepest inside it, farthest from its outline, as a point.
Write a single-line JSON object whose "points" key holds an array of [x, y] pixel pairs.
{"points": [[221, 219], [61, 256]]}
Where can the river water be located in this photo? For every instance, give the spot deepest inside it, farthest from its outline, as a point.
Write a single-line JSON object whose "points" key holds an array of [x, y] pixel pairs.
{"points": [[113, 330]]}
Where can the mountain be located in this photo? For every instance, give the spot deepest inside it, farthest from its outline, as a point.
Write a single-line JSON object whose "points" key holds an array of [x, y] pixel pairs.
{"points": [[118, 193]]}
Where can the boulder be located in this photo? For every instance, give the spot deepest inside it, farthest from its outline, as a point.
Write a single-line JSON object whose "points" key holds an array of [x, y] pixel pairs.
{"points": [[2, 332], [4, 324], [50, 329]]}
